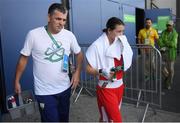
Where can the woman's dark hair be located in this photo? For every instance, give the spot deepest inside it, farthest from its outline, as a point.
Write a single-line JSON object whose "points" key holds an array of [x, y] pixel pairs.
{"points": [[112, 22], [57, 6]]}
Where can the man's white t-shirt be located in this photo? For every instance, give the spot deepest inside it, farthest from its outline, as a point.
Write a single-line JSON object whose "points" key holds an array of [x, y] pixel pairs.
{"points": [[47, 59]]}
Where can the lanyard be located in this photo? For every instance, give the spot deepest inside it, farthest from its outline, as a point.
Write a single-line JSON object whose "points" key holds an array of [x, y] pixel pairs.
{"points": [[148, 34], [52, 38]]}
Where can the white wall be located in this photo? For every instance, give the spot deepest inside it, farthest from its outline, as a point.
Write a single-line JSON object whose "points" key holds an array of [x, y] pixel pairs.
{"points": [[164, 4]]}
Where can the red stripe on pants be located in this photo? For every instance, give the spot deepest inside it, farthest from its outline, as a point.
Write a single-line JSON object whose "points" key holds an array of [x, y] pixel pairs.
{"points": [[110, 99]]}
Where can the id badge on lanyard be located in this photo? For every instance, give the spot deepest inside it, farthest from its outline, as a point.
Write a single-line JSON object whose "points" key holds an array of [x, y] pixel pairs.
{"points": [[146, 41], [65, 63]]}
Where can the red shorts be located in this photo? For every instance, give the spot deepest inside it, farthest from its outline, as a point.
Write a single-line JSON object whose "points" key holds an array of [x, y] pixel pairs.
{"points": [[109, 103]]}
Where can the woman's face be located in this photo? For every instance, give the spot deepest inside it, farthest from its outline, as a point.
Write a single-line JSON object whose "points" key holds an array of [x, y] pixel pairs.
{"points": [[119, 30]]}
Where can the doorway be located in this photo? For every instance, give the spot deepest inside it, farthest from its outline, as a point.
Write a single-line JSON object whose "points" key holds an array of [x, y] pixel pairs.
{"points": [[2, 83], [140, 15]]}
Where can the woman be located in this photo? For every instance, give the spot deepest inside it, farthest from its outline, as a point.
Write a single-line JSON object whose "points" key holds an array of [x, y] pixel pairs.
{"points": [[108, 57]]}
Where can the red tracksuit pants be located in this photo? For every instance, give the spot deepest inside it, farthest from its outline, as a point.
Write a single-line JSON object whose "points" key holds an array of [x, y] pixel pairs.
{"points": [[109, 103]]}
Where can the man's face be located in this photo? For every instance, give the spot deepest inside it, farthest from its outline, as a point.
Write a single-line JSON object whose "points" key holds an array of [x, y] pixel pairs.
{"points": [[56, 21], [148, 24], [169, 27]]}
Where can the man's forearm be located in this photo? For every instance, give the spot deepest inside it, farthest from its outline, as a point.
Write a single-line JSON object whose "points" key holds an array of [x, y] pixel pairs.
{"points": [[21, 65], [79, 62], [139, 41]]}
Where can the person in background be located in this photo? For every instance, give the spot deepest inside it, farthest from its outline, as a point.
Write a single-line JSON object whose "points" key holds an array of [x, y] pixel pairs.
{"points": [[50, 47], [168, 47], [108, 57], [148, 36]]}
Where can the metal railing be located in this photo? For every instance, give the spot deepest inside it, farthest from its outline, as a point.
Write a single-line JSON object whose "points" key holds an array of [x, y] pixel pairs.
{"points": [[143, 79]]}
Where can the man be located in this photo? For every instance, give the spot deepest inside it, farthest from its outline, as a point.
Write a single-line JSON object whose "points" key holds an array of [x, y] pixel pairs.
{"points": [[148, 36], [168, 47], [50, 47]]}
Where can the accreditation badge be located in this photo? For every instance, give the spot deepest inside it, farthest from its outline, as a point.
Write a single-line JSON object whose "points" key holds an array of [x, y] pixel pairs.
{"points": [[147, 41], [65, 65]]}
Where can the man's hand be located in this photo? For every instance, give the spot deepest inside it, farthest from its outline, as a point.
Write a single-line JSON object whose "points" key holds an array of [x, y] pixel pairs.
{"points": [[75, 80], [17, 88], [76, 76]]}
